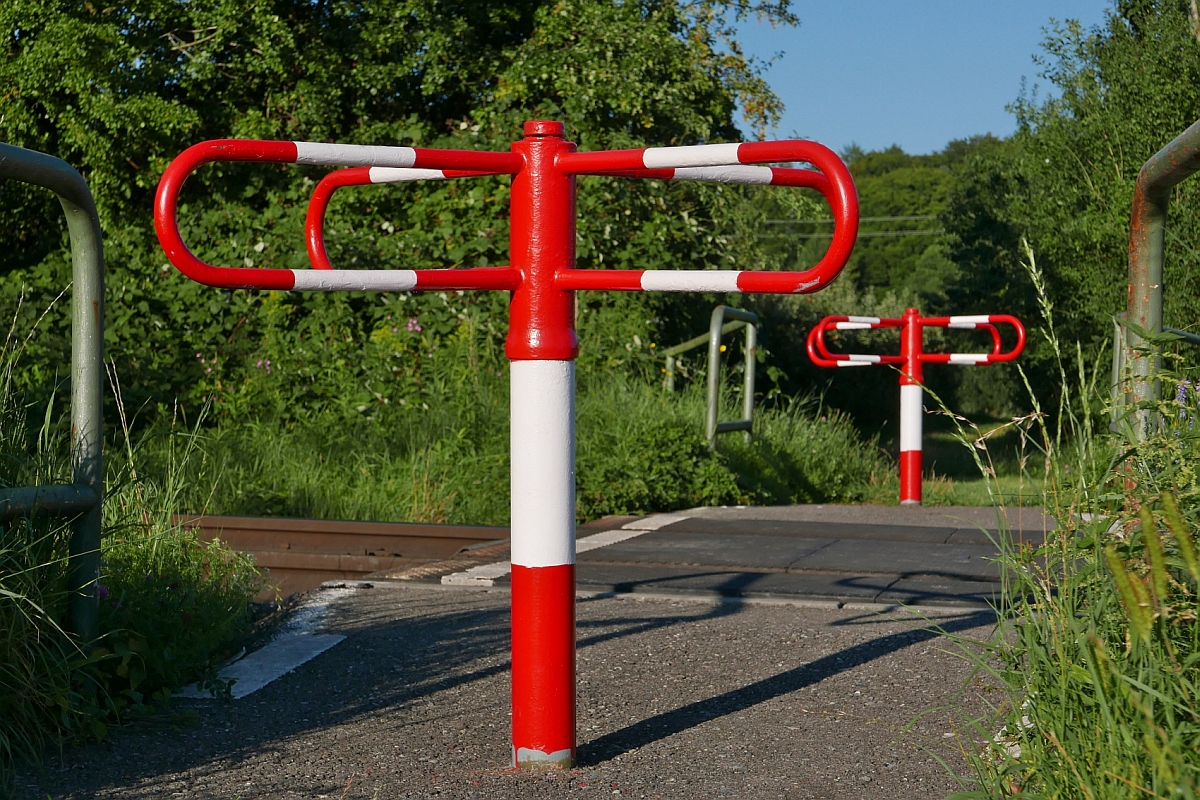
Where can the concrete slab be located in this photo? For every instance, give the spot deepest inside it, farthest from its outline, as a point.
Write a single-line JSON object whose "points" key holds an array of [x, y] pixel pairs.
{"points": [[848, 553], [1028, 519], [961, 561], [741, 550], [812, 529], [941, 592], [729, 583]]}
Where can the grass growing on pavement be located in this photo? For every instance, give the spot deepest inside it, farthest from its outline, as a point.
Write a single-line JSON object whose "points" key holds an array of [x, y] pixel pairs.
{"points": [[1098, 649]]}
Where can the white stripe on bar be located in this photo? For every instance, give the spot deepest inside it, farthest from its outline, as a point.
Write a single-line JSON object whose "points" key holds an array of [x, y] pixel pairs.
{"points": [[400, 175], [974, 319], [863, 359], [854, 326], [690, 280], [699, 155], [853, 364], [754, 176], [963, 325], [354, 280], [870, 320], [353, 155], [968, 358]]}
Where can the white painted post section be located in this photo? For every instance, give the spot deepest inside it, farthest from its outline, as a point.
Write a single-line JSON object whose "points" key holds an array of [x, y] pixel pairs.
{"points": [[912, 412], [542, 394]]}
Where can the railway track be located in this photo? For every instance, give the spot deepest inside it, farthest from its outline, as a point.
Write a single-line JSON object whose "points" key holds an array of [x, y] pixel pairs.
{"points": [[301, 554]]}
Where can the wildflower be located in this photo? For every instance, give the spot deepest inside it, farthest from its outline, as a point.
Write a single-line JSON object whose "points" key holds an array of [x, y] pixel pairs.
{"points": [[101, 591], [413, 325]]}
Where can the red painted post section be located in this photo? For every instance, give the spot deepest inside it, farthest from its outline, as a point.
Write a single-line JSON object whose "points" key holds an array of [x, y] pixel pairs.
{"points": [[911, 363], [912, 409], [541, 343]]}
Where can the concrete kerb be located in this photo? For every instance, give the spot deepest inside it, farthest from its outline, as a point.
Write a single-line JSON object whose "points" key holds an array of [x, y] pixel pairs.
{"points": [[686, 597]]}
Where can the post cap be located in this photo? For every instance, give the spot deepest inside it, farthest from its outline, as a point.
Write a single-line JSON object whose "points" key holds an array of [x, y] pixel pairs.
{"points": [[544, 127]]}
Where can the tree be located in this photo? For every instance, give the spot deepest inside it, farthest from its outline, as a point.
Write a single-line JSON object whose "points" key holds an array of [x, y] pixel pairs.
{"points": [[1064, 181], [118, 91]]}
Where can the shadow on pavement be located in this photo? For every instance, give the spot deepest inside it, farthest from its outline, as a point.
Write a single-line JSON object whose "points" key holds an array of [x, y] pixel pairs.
{"points": [[669, 723]]}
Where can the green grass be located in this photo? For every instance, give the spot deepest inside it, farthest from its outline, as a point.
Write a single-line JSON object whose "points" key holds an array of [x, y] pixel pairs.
{"points": [[1097, 651], [639, 450], [171, 611]]}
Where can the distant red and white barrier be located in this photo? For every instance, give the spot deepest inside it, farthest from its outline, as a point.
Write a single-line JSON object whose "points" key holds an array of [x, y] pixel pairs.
{"points": [[541, 345], [910, 361]]}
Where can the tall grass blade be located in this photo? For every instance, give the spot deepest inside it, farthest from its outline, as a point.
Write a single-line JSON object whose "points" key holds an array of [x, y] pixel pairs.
{"points": [[1182, 536]]}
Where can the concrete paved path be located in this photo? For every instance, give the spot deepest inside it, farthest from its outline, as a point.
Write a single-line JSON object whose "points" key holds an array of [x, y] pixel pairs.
{"points": [[689, 699], [874, 555], [842, 554]]}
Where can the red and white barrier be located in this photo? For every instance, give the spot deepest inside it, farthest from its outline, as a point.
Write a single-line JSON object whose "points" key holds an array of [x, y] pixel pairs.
{"points": [[910, 361], [543, 562], [541, 343]]}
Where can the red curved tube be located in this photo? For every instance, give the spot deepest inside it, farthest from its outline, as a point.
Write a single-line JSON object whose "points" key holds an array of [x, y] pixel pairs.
{"points": [[318, 204], [167, 197], [819, 353], [988, 322], [706, 162]]}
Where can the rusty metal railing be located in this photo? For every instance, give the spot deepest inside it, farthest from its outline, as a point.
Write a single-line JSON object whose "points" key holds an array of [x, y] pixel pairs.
{"points": [[80, 498], [1147, 233]]}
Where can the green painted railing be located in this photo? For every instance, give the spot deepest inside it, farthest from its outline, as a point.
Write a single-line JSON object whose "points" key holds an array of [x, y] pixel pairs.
{"points": [[717, 327], [81, 498]]}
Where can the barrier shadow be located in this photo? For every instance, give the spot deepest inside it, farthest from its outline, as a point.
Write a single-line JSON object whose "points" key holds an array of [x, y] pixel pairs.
{"points": [[669, 723]]}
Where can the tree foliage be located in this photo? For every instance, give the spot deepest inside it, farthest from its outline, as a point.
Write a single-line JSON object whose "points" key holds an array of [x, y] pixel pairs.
{"points": [[1065, 179], [117, 91]]}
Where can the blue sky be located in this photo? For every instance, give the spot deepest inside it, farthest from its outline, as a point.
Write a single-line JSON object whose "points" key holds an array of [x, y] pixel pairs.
{"points": [[916, 73]]}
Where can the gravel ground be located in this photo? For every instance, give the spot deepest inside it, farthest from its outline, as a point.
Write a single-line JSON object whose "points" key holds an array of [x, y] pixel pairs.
{"points": [[677, 699]]}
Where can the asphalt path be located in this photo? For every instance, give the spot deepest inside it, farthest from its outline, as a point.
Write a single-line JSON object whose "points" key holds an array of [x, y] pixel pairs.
{"points": [[677, 698]]}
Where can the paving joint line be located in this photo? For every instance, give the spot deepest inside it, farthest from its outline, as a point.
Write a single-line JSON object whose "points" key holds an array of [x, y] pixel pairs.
{"points": [[487, 574]]}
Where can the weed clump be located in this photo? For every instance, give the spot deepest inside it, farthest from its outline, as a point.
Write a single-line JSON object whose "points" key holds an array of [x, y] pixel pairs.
{"points": [[1097, 653], [172, 608]]}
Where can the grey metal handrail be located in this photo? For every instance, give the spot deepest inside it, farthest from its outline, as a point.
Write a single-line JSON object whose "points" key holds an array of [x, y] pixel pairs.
{"points": [[717, 327], [80, 499], [1147, 235]]}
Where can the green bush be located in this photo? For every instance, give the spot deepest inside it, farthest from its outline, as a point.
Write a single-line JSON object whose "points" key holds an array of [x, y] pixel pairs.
{"points": [[639, 450]]}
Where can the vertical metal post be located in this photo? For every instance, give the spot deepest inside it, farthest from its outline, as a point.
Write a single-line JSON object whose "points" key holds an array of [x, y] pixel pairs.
{"points": [[912, 409], [748, 390], [1147, 234], [716, 328], [542, 346], [714, 375], [87, 367]]}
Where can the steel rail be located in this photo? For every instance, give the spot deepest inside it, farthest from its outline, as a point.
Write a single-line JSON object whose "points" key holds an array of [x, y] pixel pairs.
{"points": [[82, 498]]}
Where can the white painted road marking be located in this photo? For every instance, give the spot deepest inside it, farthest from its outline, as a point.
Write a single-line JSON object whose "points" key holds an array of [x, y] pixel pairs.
{"points": [[487, 574], [295, 645]]}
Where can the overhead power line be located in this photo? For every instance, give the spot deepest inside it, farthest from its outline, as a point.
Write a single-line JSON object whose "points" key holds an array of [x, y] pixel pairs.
{"points": [[909, 218], [861, 234]]}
